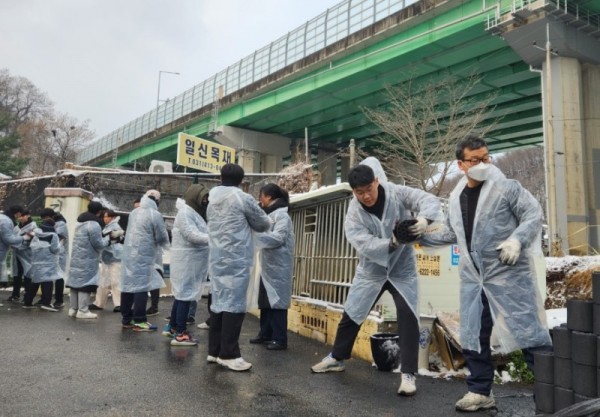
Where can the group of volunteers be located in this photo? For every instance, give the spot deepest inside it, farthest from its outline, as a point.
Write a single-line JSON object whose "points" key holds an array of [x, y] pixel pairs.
{"points": [[494, 221]]}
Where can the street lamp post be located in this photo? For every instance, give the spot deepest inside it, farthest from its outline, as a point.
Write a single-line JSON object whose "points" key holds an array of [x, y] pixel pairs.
{"points": [[160, 73]]}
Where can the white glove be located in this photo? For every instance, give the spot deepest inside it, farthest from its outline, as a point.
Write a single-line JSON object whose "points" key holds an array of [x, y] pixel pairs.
{"points": [[419, 227], [510, 250], [26, 237], [115, 234]]}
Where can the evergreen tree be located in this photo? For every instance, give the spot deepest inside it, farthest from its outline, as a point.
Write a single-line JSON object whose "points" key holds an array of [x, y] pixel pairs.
{"points": [[10, 164]]}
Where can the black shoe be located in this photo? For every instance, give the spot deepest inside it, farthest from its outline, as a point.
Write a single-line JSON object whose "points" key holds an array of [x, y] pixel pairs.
{"points": [[94, 307], [58, 305], [14, 299], [275, 346], [259, 340], [152, 311], [190, 320], [117, 309], [38, 303]]}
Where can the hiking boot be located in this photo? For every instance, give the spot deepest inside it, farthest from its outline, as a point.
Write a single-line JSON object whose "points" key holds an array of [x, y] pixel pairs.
{"points": [[237, 364], [328, 364], [408, 385], [184, 339], [48, 307], [144, 327], [152, 311], [72, 312], [473, 402], [94, 307], [85, 315], [168, 331], [211, 359], [203, 326]]}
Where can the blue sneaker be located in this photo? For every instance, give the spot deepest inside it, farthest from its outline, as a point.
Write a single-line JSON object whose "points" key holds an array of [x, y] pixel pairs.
{"points": [[168, 331], [144, 327]]}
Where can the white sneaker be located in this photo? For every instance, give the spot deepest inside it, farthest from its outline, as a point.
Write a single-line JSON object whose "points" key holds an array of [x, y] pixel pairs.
{"points": [[203, 326], [473, 402], [237, 364], [408, 385], [72, 312], [211, 359], [328, 364], [87, 315]]}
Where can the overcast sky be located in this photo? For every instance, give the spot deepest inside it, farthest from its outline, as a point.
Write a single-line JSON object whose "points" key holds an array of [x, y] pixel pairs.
{"points": [[99, 60]]}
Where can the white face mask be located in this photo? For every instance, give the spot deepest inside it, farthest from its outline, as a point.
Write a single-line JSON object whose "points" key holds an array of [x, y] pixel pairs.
{"points": [[479, 172]]}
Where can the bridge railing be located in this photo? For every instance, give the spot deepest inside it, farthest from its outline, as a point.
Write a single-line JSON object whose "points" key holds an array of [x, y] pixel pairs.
{"points": [[336, 23]]}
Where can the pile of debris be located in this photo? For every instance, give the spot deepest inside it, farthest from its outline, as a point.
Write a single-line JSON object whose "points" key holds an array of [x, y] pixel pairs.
{"points": [[297, 178], [569, 277]]}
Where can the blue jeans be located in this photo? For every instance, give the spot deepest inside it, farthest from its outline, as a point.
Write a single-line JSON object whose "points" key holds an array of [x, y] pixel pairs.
{"points": [[179, 315]]}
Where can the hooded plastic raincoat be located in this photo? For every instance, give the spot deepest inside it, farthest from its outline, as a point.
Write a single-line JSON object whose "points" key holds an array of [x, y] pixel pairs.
{"points": [[232, 215], [142, 252], [23, 251], [277, 258], [63, 233], [8, 238], [85, 257], [505, 210], [45, 257], [371, 237], [189, 253]]}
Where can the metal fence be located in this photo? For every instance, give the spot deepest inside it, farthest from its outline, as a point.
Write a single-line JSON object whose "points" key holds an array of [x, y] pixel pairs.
{"points": [[324, 261], [336, 23]]}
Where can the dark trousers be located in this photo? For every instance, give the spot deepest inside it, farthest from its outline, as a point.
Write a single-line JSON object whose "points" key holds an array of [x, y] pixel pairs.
{"points": [[273, 325], [59, 291], [480, 364], [154, 296], [33, 289], [224, 334], [408, 333], [17, 281], [133, 307], [28, 294], [179, 315]]}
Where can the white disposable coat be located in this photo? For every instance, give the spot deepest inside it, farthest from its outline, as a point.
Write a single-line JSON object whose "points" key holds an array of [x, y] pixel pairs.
{"points": [[144, 241], [110, 270], [62, 230], [23, 251], [45, 258], [85, 259], [232, 215], [505, 210], [8, 238], [277, 258], [371, 236], [189, 253]]}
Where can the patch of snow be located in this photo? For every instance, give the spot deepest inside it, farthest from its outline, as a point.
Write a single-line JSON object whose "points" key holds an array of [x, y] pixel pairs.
{"points": [[572, 263], [556, 316]]}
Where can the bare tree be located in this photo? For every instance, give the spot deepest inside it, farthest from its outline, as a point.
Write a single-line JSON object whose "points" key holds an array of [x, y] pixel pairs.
{"points": [[421, 124]]}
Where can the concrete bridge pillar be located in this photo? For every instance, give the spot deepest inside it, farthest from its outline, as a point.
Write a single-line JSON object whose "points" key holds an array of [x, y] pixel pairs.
{"points": [[571, 125], [257, 151], [591, 159], [327, 165]]}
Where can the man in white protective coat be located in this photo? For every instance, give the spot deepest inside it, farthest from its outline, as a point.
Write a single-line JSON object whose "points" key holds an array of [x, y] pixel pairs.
{"points": [[145, 239], [189, 261], [9, 238], [232, 215], [384, 264], [497, 225]]}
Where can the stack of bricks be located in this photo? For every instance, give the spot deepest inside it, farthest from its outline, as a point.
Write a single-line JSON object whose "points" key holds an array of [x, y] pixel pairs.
{"points": [[571, 374]]}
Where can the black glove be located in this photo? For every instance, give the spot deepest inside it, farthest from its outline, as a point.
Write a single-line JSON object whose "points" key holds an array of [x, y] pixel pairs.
{"points": [[401, 232]]}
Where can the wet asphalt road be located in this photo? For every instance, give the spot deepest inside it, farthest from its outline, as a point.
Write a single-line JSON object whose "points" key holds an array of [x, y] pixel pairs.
{"points": [[54, 365]]}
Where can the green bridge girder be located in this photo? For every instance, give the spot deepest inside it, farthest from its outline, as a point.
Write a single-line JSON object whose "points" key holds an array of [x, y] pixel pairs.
{"points": [[328, 99]]}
